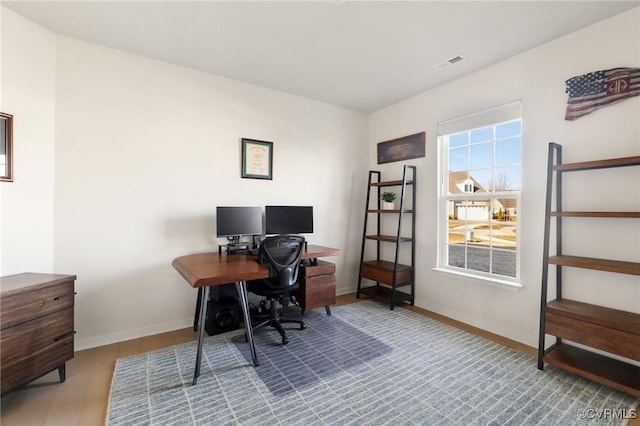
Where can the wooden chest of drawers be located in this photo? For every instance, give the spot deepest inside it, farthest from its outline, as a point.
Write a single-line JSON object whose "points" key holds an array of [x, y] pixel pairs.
{"points": [[36, 326]]}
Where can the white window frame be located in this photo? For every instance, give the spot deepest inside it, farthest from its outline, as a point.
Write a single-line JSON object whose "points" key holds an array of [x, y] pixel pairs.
{"points": [[491, 117]]}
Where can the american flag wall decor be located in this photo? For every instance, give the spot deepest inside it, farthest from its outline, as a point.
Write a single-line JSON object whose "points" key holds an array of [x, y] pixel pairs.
{"points": [[598, 89]]}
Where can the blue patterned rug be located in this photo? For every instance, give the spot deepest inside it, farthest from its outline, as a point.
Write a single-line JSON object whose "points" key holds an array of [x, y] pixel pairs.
{"points": [[363, 365]]}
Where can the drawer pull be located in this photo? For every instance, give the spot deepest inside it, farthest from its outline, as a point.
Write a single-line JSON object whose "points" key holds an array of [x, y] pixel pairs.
{"points": [[64, 296], [64, 336]]}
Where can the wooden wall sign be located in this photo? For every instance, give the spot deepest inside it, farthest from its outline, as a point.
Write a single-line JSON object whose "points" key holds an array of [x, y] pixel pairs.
{"points": [[404, 148]]}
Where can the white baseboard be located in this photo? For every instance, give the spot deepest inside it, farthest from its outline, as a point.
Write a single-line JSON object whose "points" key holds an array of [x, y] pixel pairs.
{"points": [[93, 342], [341, 291]]}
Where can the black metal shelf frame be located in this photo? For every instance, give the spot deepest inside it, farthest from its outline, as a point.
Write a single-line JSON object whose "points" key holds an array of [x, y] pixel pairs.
{"points": [[408, 181]]}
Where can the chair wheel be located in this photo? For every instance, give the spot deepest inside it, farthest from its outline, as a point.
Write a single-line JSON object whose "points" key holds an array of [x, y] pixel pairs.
{"points": [[303, 326], [284, 341]]}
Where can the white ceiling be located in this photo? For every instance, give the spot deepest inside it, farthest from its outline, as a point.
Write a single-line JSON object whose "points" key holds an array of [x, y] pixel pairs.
{"points": [[363, 55]]}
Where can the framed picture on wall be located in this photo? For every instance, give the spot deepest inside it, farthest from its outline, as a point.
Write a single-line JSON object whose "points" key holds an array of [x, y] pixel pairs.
{"points": [[6, 147], [257, 159], [404, 148]]}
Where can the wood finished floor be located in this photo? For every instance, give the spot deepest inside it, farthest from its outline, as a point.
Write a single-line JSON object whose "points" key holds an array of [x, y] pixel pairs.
{"points": [[82, 399]]}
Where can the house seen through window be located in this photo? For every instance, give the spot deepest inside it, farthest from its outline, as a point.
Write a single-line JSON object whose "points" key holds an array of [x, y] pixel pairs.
{"points": [[480, 194]]}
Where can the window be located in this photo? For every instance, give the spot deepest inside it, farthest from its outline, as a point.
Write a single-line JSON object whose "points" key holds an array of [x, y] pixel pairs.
{"points": [[480, 194]]}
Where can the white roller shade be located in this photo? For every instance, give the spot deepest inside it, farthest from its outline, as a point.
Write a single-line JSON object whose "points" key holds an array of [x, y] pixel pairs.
{"points": [[488, 117]]}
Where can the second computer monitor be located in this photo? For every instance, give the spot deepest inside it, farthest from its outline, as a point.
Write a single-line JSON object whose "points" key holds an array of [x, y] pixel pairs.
{"points": [[235, 222], [288, 220]]}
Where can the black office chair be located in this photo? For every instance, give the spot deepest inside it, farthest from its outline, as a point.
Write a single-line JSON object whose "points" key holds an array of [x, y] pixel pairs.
{"points": [[282, 255]]}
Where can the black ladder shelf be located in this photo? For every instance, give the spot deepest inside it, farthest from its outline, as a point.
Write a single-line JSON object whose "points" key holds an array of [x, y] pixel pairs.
{"points": [[610, 330], [394, 282]]}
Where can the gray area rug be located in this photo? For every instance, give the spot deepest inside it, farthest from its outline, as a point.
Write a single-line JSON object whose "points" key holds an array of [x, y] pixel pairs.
{"points": [[363, 365]]}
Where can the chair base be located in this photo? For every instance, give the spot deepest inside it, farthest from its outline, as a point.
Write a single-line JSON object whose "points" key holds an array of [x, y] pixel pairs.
{"points": [[275, 320], [277, 324]]}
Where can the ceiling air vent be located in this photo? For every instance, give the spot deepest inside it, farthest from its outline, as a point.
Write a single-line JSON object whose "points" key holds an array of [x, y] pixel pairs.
{"points": [[449, 62]]}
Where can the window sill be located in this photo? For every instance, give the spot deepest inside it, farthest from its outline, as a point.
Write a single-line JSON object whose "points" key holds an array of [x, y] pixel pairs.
{"points": [[494, 282]]}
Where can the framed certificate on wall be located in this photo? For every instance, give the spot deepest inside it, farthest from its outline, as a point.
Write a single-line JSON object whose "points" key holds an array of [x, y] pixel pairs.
{"points": [[257, 159]]}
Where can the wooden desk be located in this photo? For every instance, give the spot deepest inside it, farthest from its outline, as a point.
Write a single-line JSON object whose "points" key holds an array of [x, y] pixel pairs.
{"points": [[205, 270]]}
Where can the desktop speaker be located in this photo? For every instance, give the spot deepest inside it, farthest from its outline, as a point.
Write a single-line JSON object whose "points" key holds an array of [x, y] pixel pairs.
{"points": [[222, 315]]}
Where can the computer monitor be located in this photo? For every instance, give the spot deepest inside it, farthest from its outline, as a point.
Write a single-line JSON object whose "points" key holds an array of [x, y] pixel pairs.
{"points": [[234, 222], [288, 220]]}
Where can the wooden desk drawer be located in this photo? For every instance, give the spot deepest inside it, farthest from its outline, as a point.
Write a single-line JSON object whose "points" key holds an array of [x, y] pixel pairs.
{"points": [[318, 285], [322, 268], [35, 347], [19, 308], [318, 291]]}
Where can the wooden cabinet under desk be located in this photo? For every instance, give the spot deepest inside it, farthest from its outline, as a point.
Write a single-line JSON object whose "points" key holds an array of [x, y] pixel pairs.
{"points": [[36, 326], [317, 285]]}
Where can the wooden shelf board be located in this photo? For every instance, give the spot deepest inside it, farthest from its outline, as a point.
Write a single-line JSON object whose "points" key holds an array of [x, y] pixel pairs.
{"points": [[600, 164], [388, 238], [390, 183], [384, 293], [596, 214], [631, 268], [388, 211], [606, 317], [386, 265], [599, 368]]}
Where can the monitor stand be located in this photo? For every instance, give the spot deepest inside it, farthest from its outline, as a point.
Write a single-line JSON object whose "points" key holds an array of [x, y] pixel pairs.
{"points": [[257, 239], [234, 248], [234, 245], [233, 241]]}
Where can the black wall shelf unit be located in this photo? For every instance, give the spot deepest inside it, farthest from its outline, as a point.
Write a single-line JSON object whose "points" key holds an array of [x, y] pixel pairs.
{"points": [[610, 331], [394, 282]]}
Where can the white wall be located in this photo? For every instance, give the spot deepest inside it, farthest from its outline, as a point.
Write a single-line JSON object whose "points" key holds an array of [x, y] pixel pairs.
{"points": [[144, 151], [28, 92], [140, 153], [1, 109], [537, 77]]}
